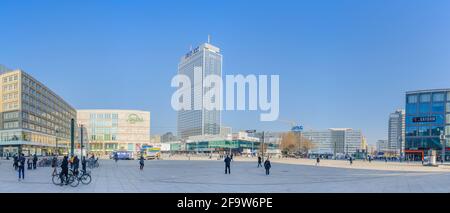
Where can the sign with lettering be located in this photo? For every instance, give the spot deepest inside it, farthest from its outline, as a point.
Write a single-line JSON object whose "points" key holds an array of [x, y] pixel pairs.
{"points": [[134, 118], [424, 119]]}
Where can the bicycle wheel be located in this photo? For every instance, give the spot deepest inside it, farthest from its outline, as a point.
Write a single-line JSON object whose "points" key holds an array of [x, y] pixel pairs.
{"points": [[85, 179], [73, 181], [56, 179]]}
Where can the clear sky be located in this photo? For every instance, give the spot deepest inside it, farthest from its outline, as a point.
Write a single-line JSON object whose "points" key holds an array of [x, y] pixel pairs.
{"points": [[341, 63]]}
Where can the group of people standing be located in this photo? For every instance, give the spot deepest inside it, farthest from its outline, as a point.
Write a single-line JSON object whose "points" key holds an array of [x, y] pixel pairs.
{"points": [[228, 160], [19, 164]]}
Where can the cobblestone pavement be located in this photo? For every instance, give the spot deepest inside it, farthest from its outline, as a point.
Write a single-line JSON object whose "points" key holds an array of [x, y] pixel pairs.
{"points": [[208, 176]]}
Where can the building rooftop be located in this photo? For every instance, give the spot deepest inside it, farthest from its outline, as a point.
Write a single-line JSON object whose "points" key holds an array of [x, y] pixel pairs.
{"points": [[428, 90]]}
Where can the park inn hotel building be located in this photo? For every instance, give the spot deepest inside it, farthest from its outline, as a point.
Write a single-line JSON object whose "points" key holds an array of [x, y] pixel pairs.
{"points": [[33, 119]]}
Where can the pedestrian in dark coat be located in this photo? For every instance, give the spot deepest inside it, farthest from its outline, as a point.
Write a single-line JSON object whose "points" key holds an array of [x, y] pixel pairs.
{"points": [[141, 163], [16, 162], [83, 164], [64, 170], [29, 164], [21, 166], [317, 161], [227, 165], [35, 159], [76, 165], [259, 162], [267, 166]]}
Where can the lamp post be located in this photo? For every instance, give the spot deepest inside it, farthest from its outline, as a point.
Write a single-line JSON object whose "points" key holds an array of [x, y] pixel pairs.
{"points": [[56, 137], [442, 137], [81, 140]]}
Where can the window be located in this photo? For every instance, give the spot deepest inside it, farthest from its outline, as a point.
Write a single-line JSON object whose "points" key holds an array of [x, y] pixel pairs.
{"points": [[425, 98], [10, 125], [436, 130], [438, 107], [438, 97], [424, 131], [411, 131], [10, 115], [424, 107]]}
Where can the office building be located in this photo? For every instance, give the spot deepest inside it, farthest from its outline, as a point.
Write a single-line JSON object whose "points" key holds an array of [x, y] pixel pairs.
{"points": [[225, 131], [396, 132], [34, 119], [198, 120], [168, 137], [382, 146], [112, 129], [322, 141], [427, 117], [334, 141]]}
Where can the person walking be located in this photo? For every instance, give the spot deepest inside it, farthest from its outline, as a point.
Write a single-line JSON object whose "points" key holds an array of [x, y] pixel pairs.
{"points": [[116, 157], [21, 166], [54, 164], [29, 163], [259, 162], [76, 165], [227, 165], [64, 171], [351, 160], [83, 164], [71, 162], [15, 162], [141, 163], [267, 166], [35, 159], [231, 156], [317, 161]]}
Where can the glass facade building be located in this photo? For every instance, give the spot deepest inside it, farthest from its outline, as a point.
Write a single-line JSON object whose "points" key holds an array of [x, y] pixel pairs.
{"points": [[111, 130], [199, 121], [427, 117], [33, 119]]}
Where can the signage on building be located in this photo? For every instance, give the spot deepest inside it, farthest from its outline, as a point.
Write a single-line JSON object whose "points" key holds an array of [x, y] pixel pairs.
{"points": [[297, 128], [424, 119], [134, 118]]}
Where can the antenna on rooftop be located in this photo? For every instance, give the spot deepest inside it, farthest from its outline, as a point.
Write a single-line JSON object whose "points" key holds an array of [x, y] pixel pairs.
{"points": [[209, 39]]}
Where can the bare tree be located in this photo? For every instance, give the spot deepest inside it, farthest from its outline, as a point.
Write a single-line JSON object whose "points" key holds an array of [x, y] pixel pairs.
{"points": [[292, 142]]}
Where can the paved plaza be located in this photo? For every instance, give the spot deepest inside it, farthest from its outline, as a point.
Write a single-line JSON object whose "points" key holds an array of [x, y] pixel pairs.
{"points": [[208, 176]]}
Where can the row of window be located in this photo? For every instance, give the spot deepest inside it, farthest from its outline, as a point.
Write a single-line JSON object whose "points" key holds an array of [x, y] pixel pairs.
{"points": [[427, 107], [103, 137], [11, 125], [28, 136], [10, 96], [10, 78], [13, 105], [10, 87], [50, 104], [104, 116], [10, 115], [424, 143], [427, 97], [45, 118], [425, 130]]}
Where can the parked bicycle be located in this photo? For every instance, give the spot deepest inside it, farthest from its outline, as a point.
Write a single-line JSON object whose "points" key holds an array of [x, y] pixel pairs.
{"points": [[71, 179]]}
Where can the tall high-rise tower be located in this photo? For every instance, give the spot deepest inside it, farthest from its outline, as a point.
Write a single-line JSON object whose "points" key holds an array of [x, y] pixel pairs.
{"points": [[205, 60]]}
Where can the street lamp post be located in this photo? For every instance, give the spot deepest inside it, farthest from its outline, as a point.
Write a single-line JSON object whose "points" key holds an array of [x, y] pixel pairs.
{"points": [[442, 137], [56, 137], [81, 140]]}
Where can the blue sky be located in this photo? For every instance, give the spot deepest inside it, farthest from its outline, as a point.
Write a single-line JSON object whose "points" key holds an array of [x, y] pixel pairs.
{"points": [[341, 63]]}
